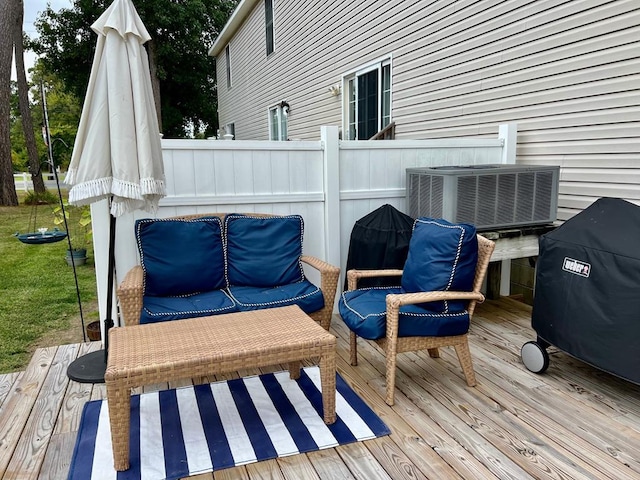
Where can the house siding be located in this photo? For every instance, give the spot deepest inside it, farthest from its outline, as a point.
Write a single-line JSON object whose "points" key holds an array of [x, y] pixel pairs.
{"points": [[567, 72]]}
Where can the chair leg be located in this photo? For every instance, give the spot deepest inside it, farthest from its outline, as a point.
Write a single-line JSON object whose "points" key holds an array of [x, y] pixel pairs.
{"points": [[391, 377], [353, 348], [464, 356], [433, 352]]}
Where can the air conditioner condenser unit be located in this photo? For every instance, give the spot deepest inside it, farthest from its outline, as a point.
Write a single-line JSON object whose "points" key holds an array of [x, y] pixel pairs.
{"points": [[492, 196]]}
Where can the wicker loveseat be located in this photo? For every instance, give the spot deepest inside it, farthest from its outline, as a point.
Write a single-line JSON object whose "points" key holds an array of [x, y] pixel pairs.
{"points": [[202, 265]]}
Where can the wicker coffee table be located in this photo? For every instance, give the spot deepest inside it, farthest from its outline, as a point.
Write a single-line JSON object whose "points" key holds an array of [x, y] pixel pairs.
{"points": [[162, 352]]}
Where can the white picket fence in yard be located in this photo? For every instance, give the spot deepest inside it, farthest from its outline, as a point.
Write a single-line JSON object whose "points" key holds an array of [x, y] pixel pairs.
{"points": [[331, 183], [23, 180]]}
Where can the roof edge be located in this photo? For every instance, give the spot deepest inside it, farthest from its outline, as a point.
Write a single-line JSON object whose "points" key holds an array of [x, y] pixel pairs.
{"points": [[238, 17]]}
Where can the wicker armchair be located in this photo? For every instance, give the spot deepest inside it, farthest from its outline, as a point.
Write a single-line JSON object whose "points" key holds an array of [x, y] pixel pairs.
{"points": [[392, 343], [130, 290]]}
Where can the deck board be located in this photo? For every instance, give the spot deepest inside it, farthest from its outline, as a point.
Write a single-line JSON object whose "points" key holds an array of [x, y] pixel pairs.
{"points": [[6, 384], [17, 407], [34, 440], [574, 421], [415, 448]]}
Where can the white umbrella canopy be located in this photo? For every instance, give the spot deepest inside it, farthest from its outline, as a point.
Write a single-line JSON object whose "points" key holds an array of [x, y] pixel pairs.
{"points": [[117, 152]]}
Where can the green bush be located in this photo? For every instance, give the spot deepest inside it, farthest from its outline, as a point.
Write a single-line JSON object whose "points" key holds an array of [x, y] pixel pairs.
{"points": [[78, 223], [46, 198]]}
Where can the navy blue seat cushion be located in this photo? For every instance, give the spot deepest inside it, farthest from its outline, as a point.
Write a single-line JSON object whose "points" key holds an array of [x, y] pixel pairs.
{"points": [[159, 309], [304, 294], [263, 252], [180, 257], [442, 257], [364, 312]]}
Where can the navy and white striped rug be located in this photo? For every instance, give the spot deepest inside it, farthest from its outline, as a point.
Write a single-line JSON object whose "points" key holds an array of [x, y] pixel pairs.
{"points": [[192, 430]]}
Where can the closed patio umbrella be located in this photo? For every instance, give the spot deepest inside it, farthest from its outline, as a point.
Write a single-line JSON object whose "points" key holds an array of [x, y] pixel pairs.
{"points": [[117, 153]]}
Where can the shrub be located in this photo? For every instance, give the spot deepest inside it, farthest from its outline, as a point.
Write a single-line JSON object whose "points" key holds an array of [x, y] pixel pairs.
{"points": [[78, 221], [46, 198]]}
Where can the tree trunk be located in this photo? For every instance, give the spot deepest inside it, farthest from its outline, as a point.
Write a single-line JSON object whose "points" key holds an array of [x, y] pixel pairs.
{"points": [[23, 97], [8, 196], [155, 81]]}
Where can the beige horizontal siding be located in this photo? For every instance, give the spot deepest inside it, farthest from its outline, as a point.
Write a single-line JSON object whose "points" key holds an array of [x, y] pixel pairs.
{"points": [[520, 42], [605, 175], [567, 72], [593, 161], [601, 189]]}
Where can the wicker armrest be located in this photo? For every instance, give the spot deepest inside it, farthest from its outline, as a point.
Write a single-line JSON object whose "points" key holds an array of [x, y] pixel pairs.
{"points": [[395, 301], [354, 275], [130, 296], [328, 284]]}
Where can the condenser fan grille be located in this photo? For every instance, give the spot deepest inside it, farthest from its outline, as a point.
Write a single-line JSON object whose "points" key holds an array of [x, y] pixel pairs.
{"points": [[488, 196]]}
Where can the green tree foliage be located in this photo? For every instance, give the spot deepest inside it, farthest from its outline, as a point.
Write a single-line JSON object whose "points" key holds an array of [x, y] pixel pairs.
{"points": [[182, 31], [64, 109], [19, 157], [64, 115]]}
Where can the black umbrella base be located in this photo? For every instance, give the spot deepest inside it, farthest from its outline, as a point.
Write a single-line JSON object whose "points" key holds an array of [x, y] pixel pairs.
{"points": [[89, 368]]}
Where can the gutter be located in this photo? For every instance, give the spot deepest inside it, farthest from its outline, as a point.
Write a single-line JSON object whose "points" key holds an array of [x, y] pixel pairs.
{"points": [[239, 15]]}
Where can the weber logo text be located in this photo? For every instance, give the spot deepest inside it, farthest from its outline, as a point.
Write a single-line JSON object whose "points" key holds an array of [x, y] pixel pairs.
{"points": [[576, 266]]}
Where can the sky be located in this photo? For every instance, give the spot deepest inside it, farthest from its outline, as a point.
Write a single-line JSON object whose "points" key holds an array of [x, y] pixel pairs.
{"points": [[31, 10]]}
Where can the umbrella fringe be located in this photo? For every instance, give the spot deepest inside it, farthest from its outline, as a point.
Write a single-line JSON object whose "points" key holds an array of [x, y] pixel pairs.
{"points": [[128, 195], [138, 191], [152, 186], [120, 205], [87, 192]]}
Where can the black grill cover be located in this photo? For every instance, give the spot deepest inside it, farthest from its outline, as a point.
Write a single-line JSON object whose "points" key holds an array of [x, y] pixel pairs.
{"points": [[587, 294], [380, 240]]}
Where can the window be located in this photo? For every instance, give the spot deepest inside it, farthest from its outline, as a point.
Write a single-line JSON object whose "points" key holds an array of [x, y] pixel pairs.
{"points": [[228, 58], [368, 100], [278, 121], [268, 21]]}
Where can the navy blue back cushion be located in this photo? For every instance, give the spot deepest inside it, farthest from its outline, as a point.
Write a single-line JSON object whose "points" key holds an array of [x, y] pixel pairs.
{"points": [[442, 257], [263, 251], [180, 257]]}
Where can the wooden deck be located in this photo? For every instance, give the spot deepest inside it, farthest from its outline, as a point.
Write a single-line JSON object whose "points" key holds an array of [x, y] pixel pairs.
{"points": [[574, 422]]}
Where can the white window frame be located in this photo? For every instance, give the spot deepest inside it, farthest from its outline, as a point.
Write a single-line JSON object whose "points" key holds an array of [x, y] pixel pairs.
{"points": [[351, 77], [280, 113], [227, 54], [273, 27]]}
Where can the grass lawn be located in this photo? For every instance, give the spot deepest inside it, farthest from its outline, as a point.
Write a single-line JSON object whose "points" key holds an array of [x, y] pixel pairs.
{"points": [[38, 296]]}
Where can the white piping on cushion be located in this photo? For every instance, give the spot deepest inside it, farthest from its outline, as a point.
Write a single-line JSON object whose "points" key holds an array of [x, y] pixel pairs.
{"points": [[192, 312], [276, 302], [458, 252], [410, 314]]}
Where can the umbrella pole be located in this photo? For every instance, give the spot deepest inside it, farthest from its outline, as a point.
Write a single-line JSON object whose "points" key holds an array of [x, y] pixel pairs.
{"points": [[108, 320], [90, 368]]}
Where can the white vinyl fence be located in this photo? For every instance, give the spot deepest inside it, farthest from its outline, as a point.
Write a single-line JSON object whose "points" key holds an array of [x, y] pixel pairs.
{"points": [[24, 183], [331, 183]]}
